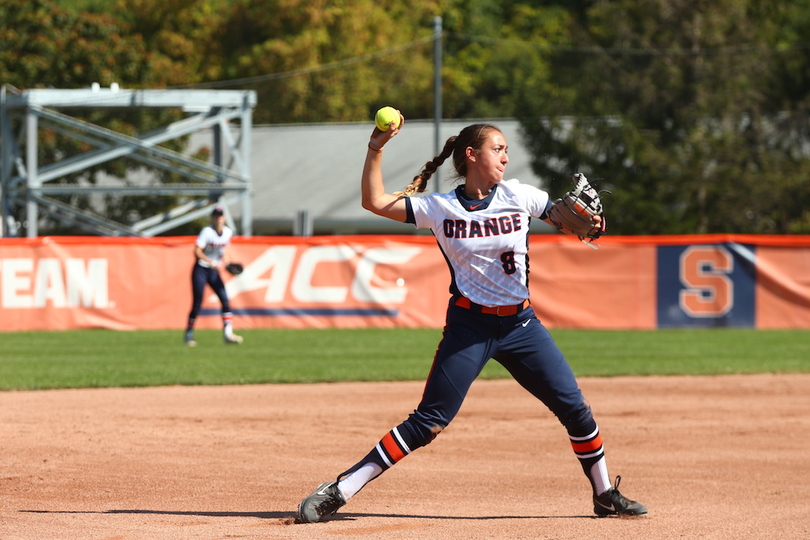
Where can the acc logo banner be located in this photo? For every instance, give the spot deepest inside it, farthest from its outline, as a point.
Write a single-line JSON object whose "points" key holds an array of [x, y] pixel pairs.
{"points": [[349, 284], [711, 285]]}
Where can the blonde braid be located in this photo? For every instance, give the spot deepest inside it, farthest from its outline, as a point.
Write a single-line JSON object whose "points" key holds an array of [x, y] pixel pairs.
{"points": [[420, 181]]}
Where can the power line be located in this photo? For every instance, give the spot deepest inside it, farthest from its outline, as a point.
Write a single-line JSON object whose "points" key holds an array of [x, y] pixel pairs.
{"points": [[706, 51], [313, 69]]}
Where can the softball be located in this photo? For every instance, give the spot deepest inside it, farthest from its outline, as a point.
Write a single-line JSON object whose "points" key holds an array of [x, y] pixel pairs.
{"points": [[385, 116]]}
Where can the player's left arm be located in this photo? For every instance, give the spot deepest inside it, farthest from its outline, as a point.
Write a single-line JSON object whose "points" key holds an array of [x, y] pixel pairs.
{"points": [[229, 264]]}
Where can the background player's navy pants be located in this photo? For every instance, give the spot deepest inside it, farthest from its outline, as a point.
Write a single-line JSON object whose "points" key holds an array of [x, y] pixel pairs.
{"points": [[524, 347], [201, 276]]}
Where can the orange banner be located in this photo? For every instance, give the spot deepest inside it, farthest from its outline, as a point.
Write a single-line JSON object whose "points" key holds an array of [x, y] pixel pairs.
{"points": [[783, 287], [58, 283]]}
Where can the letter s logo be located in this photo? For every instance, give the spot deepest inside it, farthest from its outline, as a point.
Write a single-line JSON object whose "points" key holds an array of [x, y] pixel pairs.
{"points": [[708, 290]]}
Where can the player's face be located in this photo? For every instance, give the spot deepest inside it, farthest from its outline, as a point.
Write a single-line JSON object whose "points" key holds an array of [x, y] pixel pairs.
{"points": [[491, 158]]}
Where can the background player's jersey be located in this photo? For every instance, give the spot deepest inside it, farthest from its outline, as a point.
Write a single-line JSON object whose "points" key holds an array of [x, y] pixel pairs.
{"points": [[485, 242], [213, 244]]}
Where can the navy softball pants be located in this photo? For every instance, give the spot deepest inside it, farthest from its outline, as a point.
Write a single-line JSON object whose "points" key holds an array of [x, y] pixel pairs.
{"points": [[200, 276], [522, 345]]}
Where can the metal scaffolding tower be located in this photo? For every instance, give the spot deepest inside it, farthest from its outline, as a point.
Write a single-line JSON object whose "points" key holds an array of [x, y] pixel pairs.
{"points": [[25, 183]]}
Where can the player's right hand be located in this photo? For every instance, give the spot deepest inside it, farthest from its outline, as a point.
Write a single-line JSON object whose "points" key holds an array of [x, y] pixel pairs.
{"points": [[379, 138]]}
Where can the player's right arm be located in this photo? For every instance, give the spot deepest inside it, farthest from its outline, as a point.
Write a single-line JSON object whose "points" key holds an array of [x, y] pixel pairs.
{"points": [[372, 187], [199, 250], [200, 254]]}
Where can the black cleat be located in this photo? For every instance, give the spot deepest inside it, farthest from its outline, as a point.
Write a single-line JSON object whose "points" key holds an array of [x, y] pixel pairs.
{"points": [[324, 501], [613, 503]]}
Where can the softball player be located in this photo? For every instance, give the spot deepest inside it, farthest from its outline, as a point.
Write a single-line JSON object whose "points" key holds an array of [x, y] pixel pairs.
{"points": [[482, 228], [209, 250]]}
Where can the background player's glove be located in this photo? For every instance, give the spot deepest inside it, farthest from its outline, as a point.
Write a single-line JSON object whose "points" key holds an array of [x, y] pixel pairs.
{"points": [[573, 214], [234, 268]]}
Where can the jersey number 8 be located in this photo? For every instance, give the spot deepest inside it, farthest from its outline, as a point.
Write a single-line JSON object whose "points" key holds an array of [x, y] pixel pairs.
{"points": [[508, 260]]}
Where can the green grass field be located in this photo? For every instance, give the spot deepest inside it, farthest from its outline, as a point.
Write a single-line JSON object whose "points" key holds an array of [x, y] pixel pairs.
{"points": [[105, 358]]}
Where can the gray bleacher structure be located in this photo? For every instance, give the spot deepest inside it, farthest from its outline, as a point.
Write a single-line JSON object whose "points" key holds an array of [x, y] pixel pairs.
{"points": [[28, 187]]}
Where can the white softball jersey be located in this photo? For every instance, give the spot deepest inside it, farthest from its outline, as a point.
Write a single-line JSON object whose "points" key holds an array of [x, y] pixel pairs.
{"points": [[213, 244], [486, 241]]}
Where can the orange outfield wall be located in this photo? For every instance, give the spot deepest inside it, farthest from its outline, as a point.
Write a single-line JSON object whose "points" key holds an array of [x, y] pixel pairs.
{"points": [[57, 283]]}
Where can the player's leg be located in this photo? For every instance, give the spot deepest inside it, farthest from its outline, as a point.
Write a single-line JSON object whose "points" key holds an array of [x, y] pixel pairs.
{"points": [[215, 280], [198, 280], [534, 360], [462, 353], [530, 354]]}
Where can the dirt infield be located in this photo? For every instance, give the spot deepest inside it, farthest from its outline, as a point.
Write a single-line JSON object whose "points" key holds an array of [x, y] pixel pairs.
{"points": [[712, 457]]}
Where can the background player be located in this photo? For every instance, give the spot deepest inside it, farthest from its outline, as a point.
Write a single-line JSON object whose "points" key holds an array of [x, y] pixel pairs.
{"points": [[209, 252], [482, 228]]}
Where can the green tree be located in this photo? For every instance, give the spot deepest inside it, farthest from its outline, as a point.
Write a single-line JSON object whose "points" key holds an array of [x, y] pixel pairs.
{"points": [[42, 45], [694, 112], [180, 35], [314, 61], [677, 105], [280, 49], [494, 50]]}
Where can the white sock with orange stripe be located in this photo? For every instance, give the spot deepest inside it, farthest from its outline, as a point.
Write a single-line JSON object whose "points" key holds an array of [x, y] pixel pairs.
{"points": [[591, 455], [599, 477], [353, 483], [390, 450], [227, 327]]}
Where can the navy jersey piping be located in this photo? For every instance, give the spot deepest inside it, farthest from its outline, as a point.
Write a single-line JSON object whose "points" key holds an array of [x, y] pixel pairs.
{"points": [[409, 217]]}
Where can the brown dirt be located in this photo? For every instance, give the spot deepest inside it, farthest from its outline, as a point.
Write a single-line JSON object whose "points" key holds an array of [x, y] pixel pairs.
{"points": [[712, 457]]}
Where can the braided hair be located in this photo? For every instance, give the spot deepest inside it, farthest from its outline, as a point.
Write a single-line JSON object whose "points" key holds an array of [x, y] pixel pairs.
{"points": [[471, 136]]}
